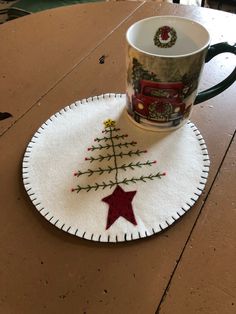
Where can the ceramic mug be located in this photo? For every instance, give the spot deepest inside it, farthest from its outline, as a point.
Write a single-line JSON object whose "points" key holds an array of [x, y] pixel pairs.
{"points": [[165, 58]]}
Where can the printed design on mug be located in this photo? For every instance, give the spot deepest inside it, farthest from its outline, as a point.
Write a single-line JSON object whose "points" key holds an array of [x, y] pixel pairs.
{"points": [[165, 37], [162, 103], [113, 155]]}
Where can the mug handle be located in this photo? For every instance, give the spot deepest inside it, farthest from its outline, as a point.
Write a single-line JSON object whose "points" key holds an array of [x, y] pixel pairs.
{"points": [[213, 51]]}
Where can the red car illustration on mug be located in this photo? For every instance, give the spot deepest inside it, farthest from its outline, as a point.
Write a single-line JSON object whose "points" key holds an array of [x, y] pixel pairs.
{"points": [[160, 102]]}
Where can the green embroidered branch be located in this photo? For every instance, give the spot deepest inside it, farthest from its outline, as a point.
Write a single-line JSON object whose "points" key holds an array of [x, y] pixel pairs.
{"points": [[112, 129], [109, 169], [121, 155], [107, 146], [111, 183], [105, 139]]}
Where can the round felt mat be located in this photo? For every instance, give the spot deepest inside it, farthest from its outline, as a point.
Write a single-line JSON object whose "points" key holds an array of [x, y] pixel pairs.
{"points": [[93, 173]]}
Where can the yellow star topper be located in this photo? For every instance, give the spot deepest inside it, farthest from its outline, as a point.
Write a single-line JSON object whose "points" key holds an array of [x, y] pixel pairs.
{"points": [[109, 123]]}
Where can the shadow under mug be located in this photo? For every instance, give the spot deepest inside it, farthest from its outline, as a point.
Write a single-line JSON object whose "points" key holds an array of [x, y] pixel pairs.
{"points": [[165, 58]]}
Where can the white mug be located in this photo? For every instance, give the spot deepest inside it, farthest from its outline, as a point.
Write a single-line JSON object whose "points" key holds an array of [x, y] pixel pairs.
{"points": [[165, 58]]}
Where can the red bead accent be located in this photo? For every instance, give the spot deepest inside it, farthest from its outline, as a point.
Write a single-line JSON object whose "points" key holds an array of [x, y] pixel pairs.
{"points": [[164, 173], [72, 190], [89, 148], [75, 174], [86, 158], [154, 161]]}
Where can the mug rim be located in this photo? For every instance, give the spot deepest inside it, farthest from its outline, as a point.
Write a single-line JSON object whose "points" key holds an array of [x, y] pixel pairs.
{"points": [[162, 55]]}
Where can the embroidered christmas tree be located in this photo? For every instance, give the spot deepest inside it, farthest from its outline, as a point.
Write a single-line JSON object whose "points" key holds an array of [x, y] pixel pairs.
{"points": [[113, 148]]}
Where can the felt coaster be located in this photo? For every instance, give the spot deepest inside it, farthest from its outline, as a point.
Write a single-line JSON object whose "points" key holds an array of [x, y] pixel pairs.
{"points": [[93, 173]]}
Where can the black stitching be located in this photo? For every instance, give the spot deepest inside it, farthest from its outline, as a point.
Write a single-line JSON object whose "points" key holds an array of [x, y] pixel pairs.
{"points": [[56, 222], [173, 218], [28, 189], [200, 189], [197, 194], [41, 209], [83, 234], [37, 204], [153, 231], [167, 223], [192, 199], [108, 238], [139, 235], [46, 214], [68, 229], [92, 236], [183, 209], [178, 214], [146, 233], [99, 238], [125, 235], [161, 227], [76, 231], [50, 218], [188, 204], [62, 226]]}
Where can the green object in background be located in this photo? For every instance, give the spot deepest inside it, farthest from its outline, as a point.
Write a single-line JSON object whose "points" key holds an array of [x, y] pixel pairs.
{"points": [[36, 6], [24, 7]]}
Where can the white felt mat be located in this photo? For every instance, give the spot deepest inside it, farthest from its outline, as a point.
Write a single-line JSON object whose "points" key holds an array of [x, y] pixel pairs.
{"points": [[93, 173]]}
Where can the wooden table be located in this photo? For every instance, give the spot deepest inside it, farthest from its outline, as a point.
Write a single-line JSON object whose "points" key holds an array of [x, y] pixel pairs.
{"points": [[51, 59]]}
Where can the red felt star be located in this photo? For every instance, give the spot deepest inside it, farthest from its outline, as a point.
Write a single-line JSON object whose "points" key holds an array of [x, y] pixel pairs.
{"points": [[120, 206]]}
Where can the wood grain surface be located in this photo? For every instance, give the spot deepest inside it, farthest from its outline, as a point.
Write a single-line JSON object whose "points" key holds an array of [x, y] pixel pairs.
{"points": [[189, 268]]}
